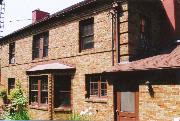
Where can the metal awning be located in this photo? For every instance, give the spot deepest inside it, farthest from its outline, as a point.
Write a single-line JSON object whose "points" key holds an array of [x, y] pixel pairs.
{"points": [[51, 66], [165, 61]]}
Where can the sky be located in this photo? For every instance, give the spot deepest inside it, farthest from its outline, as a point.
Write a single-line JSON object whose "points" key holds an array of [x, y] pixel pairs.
{"points": [[22, 10]]}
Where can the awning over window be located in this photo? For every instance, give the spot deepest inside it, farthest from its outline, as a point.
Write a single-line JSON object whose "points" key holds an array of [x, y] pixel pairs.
{"points": [[51, 66], [164, 61]]}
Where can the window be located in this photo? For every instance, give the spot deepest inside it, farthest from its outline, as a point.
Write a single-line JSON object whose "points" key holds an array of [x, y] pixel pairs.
{"points": [[145, 33], [144, 47], [12, 53], [40, 45], [96, 86], [62, 91], [86, 34], [11, 84], [38, 91]]}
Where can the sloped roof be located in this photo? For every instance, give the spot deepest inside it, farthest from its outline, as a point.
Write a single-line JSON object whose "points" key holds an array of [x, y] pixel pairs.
{"points": [[51, 66], [55, 15], [165, 61]]}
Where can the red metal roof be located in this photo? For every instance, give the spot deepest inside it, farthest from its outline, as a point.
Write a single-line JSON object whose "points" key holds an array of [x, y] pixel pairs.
{"points": [[50, 66], [164, 61]]}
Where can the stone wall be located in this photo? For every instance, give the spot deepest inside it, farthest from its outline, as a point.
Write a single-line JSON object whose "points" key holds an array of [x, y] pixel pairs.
{"points": [[64, 47], [164, 106]]}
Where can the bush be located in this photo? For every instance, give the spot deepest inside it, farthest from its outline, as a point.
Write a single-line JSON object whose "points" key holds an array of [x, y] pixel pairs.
{"points": [[3, 93], [17, 109]]}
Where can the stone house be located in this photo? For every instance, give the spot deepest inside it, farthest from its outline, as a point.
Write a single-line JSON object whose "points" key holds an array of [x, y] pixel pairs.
{"points": [[116, 58]]}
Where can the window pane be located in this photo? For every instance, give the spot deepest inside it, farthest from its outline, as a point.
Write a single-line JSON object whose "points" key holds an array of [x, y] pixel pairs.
{"points": [[103, 88], [127, 101], [94, 88], [34, 97], [44, 97], [34, 85], [45, 51], [65, 98], [87, 30], [44, 90], [103, 93], [44, 85], [36, 53], [88, 42], [46, 40]]}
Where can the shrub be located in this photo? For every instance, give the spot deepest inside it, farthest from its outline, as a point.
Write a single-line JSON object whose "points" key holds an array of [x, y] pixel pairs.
{"points": [[17, 109], [3, 93]]}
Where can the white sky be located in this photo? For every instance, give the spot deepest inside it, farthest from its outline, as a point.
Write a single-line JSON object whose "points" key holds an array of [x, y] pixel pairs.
{"points": [[22, 9]]}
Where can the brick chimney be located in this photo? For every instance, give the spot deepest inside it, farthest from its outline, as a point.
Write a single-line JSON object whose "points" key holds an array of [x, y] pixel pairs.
{"points": [[38, 15]]}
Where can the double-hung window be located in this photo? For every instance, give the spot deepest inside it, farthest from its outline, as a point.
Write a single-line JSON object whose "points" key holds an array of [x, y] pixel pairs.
{"points": [[96, 86], [86, 34], [38, 91], [40, 45]]}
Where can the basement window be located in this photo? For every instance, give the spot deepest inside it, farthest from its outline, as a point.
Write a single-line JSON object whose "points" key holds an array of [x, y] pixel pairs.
{"points": [[38, 91], [86, 34], [40, 45], [96, 86], [12, 53]]}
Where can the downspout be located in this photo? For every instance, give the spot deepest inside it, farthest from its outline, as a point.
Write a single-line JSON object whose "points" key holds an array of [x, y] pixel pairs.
{"points": [[117, 37], [115, 31], [112, 39], [116, 7]]}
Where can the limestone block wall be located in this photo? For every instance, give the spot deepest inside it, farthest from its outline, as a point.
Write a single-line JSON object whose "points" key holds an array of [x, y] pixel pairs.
{"points": [[64, 47], [164, 106]]}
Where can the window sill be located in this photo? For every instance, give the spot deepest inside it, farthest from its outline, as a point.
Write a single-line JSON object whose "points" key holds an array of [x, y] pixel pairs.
{"points": [[39, 59], [63, 109], [96, 100], [12, 64], [44, 108]]}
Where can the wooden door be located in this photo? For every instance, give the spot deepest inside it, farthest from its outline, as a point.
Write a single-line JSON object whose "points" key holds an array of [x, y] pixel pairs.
{"points": [[127, 105]]}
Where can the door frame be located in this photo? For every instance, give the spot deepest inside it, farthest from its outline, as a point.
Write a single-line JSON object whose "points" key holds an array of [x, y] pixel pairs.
{"points": [[118, 108]]}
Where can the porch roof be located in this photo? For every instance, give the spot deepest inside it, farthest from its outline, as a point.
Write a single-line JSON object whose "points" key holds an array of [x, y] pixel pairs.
{"points": [[51, 66], [164, 61]]}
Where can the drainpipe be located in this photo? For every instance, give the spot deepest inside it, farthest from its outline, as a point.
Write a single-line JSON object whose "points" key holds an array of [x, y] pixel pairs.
{"points": [[117, 31], [113, 33], [117, 37]]}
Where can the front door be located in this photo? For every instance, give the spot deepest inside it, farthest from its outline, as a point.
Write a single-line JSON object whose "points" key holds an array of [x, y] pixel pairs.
{"points": [[127, 103]]}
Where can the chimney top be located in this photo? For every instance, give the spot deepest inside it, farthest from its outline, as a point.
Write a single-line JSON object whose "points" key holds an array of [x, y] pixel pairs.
{"points": [[38, 15]]}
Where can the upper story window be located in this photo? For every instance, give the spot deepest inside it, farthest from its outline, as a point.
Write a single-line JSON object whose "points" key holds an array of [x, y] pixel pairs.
{"points": [[96, 86], [40, 45], [144, 45], [12, 53], [86, 34], [145, 33]]}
